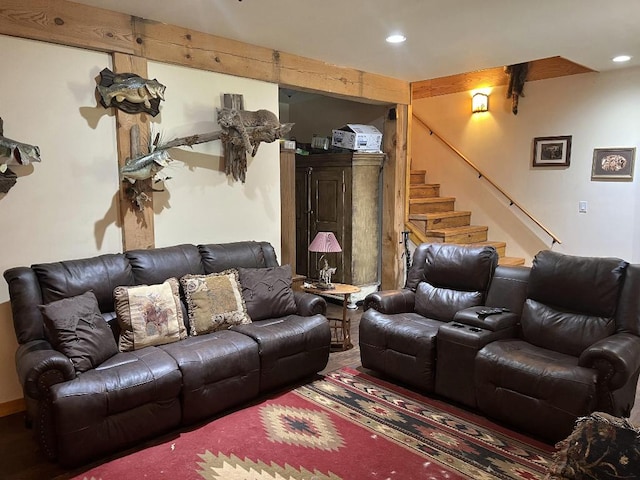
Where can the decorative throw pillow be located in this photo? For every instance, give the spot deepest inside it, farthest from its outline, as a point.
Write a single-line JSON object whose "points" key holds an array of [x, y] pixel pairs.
{"points": [[214, 301], [76, 328], [149, 315], [601, 447], [267, 292]]}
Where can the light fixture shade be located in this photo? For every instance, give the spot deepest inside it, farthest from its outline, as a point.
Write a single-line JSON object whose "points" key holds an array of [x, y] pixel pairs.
{"points": [[479, 102], [325, 242]]}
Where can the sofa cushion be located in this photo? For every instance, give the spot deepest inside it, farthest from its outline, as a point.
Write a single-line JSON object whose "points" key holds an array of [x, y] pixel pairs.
{"points": [[149, 315], [443, 303], [561, 331], [99, 274], [267, 292], [587, 285], [441, 265], [214, 301], [76, 328]]}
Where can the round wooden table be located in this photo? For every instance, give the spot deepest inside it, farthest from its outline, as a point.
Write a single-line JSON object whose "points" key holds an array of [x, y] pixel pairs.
{"points": [[340, 328]]}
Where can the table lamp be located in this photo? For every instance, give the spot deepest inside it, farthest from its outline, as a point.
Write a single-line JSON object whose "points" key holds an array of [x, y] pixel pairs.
{"points": [[325, 242]]}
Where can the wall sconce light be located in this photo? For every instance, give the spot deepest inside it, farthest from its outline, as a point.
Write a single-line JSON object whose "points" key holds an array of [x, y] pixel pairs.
{"points": [[479, 102]]}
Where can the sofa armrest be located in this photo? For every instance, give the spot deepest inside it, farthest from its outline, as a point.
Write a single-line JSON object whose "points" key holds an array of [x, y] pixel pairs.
{"points": [[391, 301], [616, 358], [500, 321], [39, 366], [309, 304]]}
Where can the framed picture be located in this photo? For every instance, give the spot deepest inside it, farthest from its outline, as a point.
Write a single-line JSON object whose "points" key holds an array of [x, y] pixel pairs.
{"points": [[613, 163], [552, 151]]}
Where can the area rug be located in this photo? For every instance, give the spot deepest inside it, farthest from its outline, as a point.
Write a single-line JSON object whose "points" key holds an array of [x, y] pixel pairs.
{"points": [[346, 425]]}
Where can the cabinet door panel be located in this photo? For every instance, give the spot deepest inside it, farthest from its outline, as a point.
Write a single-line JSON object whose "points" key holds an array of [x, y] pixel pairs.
{"points": [[328, 214]]}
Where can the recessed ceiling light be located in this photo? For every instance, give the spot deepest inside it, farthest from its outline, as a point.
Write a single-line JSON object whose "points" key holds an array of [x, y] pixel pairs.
{"points": [[396, 38], [621, 58]]}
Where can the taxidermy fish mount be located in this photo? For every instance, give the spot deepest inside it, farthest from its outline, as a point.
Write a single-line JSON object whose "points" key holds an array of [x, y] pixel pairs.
{"points": [[14, 153], [130, 92], [517, 78]]}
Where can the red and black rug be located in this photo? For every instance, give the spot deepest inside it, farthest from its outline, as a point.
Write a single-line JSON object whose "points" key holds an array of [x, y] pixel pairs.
{"points": [[345, 426]]}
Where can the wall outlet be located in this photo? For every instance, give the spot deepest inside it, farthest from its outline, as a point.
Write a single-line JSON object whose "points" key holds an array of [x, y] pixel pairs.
{"points": [[582, 206]]}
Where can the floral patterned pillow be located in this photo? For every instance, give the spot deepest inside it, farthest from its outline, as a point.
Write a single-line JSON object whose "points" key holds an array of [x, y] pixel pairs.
{"points": [[149, 315], [214, 301]]}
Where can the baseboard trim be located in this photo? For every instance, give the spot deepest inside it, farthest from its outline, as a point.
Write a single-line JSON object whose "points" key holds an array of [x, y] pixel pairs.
{"points": [[14, 406]]}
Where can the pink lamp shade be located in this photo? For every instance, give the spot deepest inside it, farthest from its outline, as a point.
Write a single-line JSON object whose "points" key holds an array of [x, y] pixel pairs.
{"points": [[325, 242]]}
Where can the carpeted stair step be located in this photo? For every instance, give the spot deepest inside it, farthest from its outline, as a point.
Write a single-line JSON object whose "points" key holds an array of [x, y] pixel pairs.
{"points": [[464, 235], [417, 177], [424, 190], [431, 205]]}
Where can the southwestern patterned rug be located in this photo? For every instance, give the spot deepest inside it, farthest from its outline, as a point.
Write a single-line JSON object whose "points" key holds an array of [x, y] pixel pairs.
{"points": [[345, 426]]}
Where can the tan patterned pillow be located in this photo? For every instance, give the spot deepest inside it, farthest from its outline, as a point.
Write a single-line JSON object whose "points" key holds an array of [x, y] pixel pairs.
{"points": [[214, 301], [149, 315]]}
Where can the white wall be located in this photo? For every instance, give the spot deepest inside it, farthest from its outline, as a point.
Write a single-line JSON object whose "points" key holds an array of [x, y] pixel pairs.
{"points": [[200, 203], [66, 206], [597, 109], [62, 207]]}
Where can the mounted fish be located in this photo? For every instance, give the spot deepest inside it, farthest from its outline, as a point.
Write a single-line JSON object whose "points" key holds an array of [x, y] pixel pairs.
{"points": [[145, 166], [130, 92], [14, 153]]}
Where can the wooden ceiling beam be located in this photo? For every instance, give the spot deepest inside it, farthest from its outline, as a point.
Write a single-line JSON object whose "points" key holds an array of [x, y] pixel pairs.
{"points": [[545, 68], [76, 25]]}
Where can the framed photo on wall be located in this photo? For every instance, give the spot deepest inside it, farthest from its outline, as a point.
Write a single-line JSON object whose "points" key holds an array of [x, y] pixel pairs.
{"points": [[613, 163], [552, 151]]}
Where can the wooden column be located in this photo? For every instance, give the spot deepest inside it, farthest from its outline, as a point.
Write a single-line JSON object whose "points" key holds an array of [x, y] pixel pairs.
{"points": [[288, 208], [393, 195], [137, 224]]}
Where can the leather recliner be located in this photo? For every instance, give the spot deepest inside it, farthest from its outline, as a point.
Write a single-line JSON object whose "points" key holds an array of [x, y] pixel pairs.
{"points": [[576, 350], [399, 327]]}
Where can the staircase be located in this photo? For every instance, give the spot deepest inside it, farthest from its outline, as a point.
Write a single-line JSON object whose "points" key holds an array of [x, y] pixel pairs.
{"points": [[435, 220]]}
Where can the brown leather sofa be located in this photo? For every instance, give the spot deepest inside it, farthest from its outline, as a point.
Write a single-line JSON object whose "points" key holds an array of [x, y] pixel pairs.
{"points": [[138, 394], [541, 346]]}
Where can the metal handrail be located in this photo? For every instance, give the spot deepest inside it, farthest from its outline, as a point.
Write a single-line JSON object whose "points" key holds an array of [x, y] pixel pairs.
{"points": [[554, 238]]}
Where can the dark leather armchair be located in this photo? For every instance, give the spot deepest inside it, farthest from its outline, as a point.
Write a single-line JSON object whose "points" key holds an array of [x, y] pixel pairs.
{"points": [[398, 328], [576, 350]]}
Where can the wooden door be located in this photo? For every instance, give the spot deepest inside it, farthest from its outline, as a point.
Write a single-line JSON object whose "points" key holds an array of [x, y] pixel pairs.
{"points": [[327, 193]]}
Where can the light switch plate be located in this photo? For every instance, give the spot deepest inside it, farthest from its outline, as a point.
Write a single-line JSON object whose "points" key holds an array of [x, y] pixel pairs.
{"points": [[582, 206]]}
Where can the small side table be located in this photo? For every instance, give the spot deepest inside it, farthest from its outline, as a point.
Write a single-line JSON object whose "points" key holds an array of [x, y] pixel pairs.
{"points": [[340, 328]]}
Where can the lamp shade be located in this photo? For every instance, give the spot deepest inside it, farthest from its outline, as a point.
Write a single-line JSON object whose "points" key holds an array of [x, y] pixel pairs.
{"points": [[325, 242]]}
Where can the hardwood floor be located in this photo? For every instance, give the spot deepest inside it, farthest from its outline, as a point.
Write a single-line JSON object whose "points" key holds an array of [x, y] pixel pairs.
{"points": [[20, 458]]}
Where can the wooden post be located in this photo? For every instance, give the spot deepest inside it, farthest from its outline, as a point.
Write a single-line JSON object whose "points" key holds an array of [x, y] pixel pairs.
{"points": [[235, 156], [288, 208], [137, 224], [393, 193]]}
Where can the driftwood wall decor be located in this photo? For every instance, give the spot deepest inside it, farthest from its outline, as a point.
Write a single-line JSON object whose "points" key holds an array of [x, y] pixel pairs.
{"points": [[241, 132], [517, 78], [13, 153], [130, 92]]}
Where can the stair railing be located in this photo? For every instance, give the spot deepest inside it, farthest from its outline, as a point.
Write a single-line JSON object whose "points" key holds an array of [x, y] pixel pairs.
{"points": [[512, 202]]}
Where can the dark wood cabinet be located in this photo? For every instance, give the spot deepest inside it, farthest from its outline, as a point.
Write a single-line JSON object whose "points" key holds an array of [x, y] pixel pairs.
{"points": [[339, 193]]}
